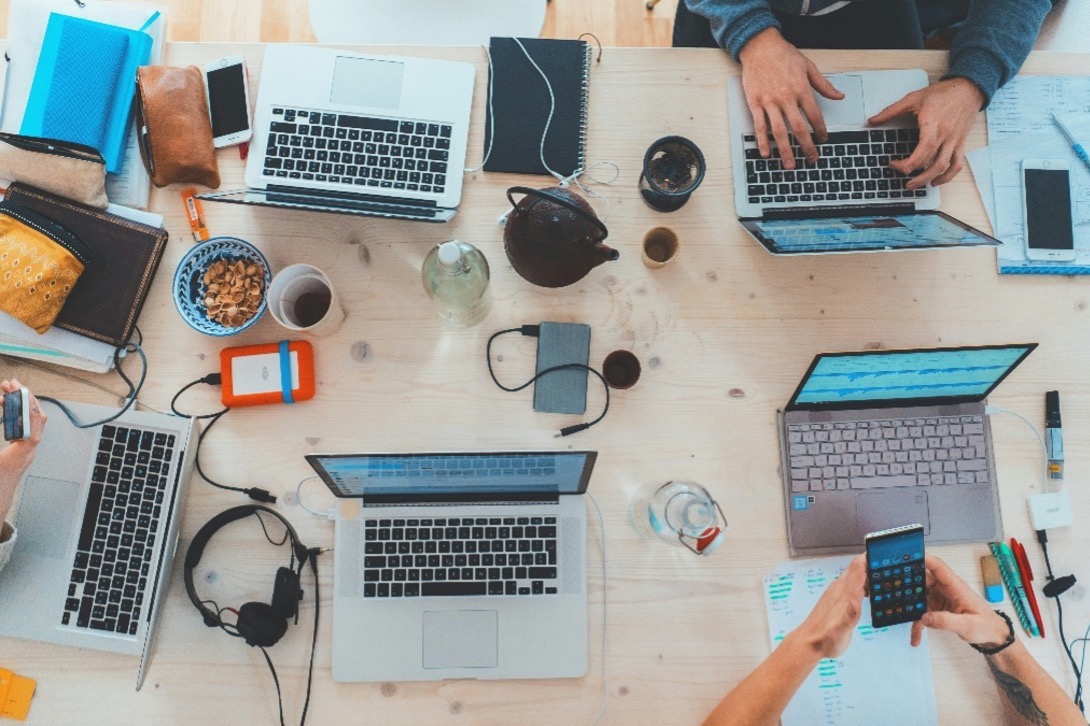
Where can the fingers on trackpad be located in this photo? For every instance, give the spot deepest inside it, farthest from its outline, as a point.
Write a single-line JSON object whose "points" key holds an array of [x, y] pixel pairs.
{"points": [[850, 111], [461, 639]]}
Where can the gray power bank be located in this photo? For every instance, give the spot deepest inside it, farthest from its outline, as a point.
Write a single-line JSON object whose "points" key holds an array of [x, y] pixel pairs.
{"points": [[563, 391]]}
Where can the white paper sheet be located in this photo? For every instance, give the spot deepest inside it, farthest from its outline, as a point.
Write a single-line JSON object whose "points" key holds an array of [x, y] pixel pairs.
{"points": [[842, 691]]}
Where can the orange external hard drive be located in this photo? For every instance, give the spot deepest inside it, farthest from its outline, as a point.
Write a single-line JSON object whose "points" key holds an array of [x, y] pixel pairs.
{"points": [[254, 375]]}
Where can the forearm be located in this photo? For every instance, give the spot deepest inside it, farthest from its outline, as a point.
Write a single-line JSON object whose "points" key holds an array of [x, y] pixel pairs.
{"points": [[14, 460], [760, 699], [1031, 697], [734, 22], [995, 40]]}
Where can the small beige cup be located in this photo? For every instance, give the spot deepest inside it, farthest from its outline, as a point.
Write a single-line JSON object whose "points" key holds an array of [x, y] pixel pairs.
{"points": [[302, 299], [660, 246]]}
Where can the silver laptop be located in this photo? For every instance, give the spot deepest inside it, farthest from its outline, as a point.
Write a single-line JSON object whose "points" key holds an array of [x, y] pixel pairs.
{"points": [[350, 133], [882, 438], [849, 200], [459, 565], [98, 520]]}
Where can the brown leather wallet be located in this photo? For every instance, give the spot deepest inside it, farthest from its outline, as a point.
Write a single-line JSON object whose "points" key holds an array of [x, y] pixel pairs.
{"points": [[174, 127]]}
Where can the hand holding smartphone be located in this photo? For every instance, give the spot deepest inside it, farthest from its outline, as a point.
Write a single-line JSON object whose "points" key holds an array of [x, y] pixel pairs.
{"points": [[1046, 210], [896, 577], [17, 415], [228, 100]]}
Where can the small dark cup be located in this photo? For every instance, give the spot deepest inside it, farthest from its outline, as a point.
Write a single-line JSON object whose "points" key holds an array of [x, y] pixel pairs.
{"points": [[621, 369], [673, 168]]}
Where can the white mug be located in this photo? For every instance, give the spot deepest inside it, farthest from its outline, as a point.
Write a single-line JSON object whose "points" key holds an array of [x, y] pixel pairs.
{"points": [[301, 298]]}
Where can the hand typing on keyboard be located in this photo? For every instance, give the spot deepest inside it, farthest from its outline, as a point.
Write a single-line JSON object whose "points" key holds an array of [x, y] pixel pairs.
{"points": [[945, 112]]}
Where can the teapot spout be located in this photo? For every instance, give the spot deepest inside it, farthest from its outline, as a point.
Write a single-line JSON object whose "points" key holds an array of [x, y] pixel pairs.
{"points": [[604, 253]]}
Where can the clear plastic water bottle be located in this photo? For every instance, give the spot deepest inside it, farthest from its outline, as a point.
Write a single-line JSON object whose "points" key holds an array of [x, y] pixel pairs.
{"points": [[681, 512], [455, 276]]}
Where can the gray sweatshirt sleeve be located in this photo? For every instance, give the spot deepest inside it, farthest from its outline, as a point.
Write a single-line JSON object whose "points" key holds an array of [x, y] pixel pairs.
{"points": [[995, 40], [734, 22], [7, 543]]}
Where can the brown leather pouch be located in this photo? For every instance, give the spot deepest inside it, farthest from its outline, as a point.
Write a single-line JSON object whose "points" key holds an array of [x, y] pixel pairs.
{"points": [[175, 130]]}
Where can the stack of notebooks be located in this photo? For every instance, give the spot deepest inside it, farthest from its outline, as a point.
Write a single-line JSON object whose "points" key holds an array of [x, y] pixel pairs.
{"points": [[101, 312]]}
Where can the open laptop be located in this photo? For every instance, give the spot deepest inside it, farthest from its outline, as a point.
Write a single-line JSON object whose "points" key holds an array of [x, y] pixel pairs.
{"points": [[459, 565], [882, 438], [98, 521], [849, 200], [335, 131]]}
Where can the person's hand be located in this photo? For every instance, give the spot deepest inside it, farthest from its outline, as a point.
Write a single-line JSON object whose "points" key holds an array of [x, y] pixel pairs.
{"points": [[953, 605], [38, 418], [945, 112], [828, 628], [777, 80]]}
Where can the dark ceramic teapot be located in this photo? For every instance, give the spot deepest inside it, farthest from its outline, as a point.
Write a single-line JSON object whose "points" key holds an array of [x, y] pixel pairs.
{"points": [[553, 237]]}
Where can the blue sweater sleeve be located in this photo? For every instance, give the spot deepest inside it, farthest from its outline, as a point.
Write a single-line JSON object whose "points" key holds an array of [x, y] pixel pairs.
{"points": [[734, 22], [995, 40]]}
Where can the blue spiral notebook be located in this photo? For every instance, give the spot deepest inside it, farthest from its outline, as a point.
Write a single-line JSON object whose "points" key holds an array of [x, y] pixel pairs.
{"points": [[85, 82]]}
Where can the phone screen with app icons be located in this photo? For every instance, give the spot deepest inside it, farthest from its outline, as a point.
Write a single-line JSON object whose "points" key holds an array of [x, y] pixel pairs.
{"points": [[896, 579]]}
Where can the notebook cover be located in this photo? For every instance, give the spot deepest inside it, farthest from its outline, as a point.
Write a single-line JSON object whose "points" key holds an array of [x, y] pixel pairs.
{"points": [[84, 85], [519, 103], [107, 300]]}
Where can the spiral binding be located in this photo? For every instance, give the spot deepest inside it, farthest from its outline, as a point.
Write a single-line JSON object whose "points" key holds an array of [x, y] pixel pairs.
{"points": [[582, 159]]}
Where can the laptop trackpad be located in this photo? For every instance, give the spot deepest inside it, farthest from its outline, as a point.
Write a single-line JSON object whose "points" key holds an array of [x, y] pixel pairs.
{"points": [[875, 511], [461, 639], [45, 511], [848, 112]]}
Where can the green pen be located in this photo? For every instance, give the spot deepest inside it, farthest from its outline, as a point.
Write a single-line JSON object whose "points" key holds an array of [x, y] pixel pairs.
{"points": [[1017, 590]]}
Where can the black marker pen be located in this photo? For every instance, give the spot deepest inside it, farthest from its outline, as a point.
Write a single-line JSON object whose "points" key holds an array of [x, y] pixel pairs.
{"points": [[1054, 435]]}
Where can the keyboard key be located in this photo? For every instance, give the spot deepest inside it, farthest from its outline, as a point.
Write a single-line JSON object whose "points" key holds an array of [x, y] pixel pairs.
{"points": [[449, 589]]}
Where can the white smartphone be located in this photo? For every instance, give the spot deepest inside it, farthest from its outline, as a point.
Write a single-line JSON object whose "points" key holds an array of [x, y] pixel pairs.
{"points": [[228, 100], [1046, 210]]}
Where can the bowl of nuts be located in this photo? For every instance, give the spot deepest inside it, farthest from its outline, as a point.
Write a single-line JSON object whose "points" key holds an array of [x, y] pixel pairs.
{"points": [[220, 285]]}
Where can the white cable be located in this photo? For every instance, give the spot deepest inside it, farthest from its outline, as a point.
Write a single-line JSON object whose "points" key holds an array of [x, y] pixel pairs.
{"points": [[605, 611], [491, 116], [996, 409], [328, 514]]}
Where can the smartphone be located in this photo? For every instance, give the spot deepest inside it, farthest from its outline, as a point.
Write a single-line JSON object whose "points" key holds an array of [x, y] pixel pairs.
{"points": [[228, 100], [896, 582], [1046, 210], [17, 415]]}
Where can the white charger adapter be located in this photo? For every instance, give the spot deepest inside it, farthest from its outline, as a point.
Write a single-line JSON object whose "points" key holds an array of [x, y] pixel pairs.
{"points": [[1050, 510]]}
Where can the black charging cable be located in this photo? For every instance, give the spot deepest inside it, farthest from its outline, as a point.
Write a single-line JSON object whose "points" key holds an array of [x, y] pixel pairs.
{"points": [[533, 331], [1055, 587], [130, 397], [215, 379]]}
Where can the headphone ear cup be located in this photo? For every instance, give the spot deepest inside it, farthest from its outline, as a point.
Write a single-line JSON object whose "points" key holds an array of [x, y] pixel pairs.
{"points": [[259, 624], [286, 593]]}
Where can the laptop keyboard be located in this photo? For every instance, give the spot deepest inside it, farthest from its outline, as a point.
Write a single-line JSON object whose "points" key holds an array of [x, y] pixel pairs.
{"points": [[120, 524], [360, 151], [926, 451], [851, 166], [460, 556]]}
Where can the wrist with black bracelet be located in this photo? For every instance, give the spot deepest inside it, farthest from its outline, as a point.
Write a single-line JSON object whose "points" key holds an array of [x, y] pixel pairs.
{"points": [[992, 648]]}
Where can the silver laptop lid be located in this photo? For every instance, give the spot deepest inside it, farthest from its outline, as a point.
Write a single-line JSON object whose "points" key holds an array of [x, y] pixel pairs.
{"points": [[506, 476], [888, 378]]}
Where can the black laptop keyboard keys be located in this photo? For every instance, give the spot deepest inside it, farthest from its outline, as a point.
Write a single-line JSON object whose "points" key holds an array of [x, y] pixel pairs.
{"points": [[361, 152], [497, 556], [110, 573]]}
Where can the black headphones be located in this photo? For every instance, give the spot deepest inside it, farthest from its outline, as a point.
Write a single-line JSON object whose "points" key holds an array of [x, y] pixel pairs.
{"points": [[259, 624]]}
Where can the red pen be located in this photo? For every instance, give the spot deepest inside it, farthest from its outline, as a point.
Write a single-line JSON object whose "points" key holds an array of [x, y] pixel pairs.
{"points": [[1027, 580]]}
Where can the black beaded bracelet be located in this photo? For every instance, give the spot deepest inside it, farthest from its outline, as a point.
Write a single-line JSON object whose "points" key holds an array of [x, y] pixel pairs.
{"points": [[992, 650]]}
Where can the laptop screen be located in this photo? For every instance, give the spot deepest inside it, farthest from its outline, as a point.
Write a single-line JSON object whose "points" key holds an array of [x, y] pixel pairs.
{"points": [[907, 377], [918, 230], [465, 476]]}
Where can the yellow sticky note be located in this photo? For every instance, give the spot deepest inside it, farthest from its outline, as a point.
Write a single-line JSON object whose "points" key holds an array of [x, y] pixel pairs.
{"points": [[15, 694]]}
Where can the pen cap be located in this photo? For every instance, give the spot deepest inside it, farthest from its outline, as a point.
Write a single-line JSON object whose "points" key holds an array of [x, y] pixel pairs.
{"points": [[993, 581]]}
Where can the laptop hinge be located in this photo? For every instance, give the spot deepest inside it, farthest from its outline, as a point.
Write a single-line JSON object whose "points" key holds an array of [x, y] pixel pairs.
{"points": [[430, 500], [330, 197], [874, 210]]}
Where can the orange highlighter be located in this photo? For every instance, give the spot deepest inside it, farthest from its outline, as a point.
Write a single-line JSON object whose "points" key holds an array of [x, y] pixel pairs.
{"points": [[1027, 579]]}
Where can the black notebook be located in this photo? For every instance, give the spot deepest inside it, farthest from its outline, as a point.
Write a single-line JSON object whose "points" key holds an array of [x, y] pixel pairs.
{"points": [[520, 104]]}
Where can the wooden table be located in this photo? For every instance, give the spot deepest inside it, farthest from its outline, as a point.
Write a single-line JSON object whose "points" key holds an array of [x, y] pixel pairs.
{"points": [[724, 334]]}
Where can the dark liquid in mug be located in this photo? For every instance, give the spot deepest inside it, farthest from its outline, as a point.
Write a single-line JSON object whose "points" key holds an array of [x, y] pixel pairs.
{"points": [[311, 307]]}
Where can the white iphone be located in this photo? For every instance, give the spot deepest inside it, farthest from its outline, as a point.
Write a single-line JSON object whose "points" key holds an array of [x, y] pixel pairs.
{"points": [[1046, 210], [228, 100]]}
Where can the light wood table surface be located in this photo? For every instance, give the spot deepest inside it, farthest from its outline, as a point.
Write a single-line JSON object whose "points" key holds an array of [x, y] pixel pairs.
{"points": [[724, 334]]}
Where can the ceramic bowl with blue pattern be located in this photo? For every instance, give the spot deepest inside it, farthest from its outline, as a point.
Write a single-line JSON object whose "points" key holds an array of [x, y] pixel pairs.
{"points": [[189, 287]]}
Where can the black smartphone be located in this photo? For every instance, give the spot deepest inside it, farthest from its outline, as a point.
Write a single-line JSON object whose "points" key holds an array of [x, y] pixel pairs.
{"points": [[17, 415], [896, 581]]}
